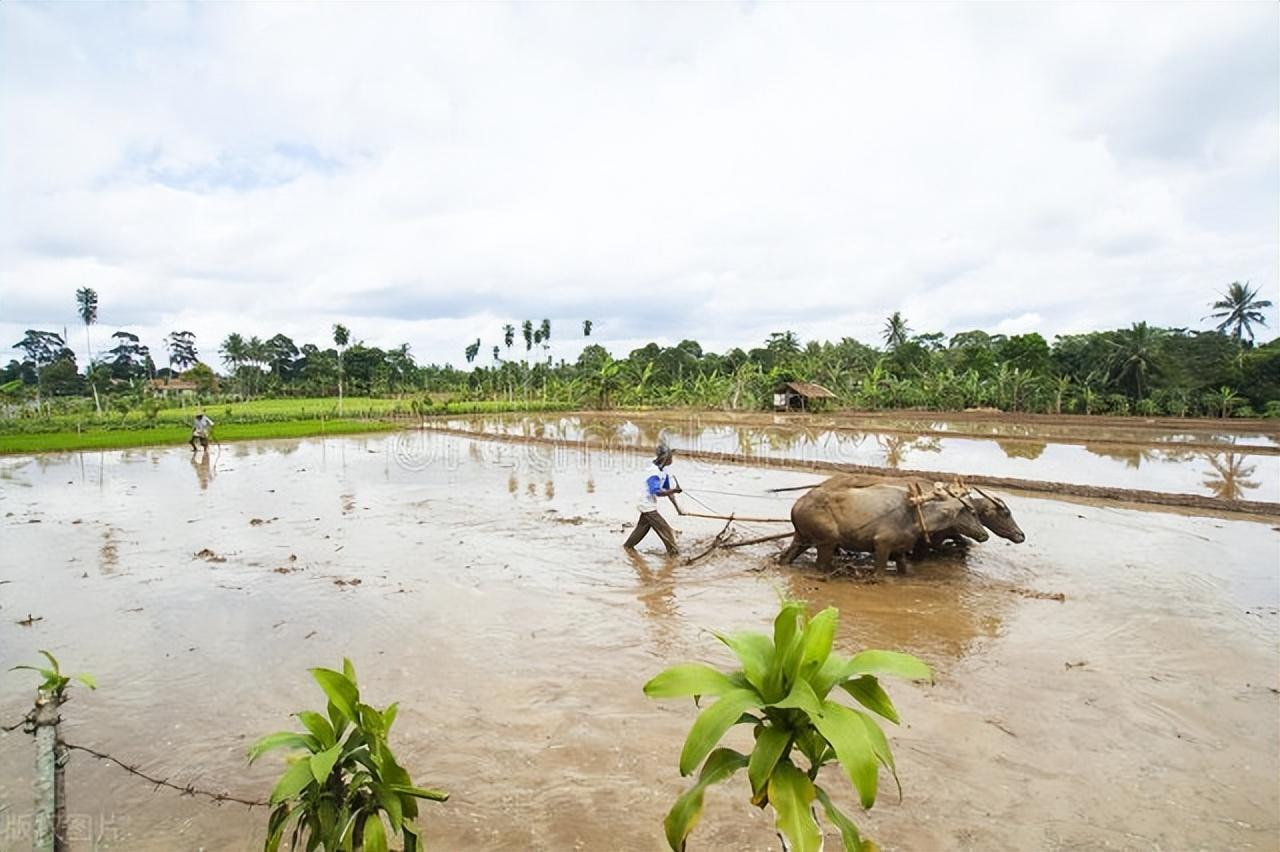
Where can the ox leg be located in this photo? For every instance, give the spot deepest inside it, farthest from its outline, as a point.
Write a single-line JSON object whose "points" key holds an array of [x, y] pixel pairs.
{"points": [[882, 557], [826, 553], [798, 546]]}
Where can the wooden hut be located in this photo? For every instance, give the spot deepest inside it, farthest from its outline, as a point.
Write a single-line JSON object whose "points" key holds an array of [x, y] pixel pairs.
{"points": [[798, 396]]}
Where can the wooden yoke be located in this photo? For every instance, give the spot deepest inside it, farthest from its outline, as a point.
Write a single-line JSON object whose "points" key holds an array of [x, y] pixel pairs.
{"points": [[916, 496]]}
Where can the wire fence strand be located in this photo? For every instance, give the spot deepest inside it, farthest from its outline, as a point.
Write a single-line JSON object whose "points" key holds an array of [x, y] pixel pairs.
{"points": [[186, 790]]}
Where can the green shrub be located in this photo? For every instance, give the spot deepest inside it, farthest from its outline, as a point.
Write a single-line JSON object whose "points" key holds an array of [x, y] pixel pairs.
{"points": [[783, 691]]}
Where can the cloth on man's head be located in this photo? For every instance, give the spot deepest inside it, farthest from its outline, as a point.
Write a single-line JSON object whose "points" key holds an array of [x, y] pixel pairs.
{"points": [[662, 450]]}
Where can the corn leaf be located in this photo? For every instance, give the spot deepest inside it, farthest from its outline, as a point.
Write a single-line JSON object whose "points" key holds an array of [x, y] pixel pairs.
{"points": [[849, 835], [689, 679], [754, 651], [294, 780], [818, 636], [318, 726], [420, 792], [711, 725], [375, 835], [340, 691], [771, 744], [844, 729], [685, 813], [322, 763], [791, 794], [389, 716], [870, 694], [282, 739], [390, 802], [888, 663]]}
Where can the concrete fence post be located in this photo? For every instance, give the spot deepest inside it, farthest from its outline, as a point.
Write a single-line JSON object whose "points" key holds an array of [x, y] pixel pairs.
{"points": [[46, 805]]}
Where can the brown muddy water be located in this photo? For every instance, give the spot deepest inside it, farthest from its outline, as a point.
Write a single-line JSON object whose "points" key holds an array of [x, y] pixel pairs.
{"points": [[496, 604], [1161, 466]]}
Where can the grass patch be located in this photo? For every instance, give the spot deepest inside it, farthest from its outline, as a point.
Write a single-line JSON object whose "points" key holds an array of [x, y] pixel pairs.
{"points": [[104, 439]]}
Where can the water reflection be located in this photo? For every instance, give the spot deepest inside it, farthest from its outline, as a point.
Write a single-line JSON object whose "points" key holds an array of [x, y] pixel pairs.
{"points": [[1012, 450], [1230, 477], [656, 592], [203, 468], [1023, 449]]}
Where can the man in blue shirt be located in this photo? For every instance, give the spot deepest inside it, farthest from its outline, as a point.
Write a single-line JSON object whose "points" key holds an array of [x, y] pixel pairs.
{"points": [[658, 483]]}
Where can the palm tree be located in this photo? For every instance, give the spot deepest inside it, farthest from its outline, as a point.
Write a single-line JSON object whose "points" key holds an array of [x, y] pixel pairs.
{"points": [[87, 306], [895, 331], [233, 351], [508, 335], [527, 329], [586, 328], [1238, 309], [1135, 356], [472, 350], [544, 329], [341, 336]]}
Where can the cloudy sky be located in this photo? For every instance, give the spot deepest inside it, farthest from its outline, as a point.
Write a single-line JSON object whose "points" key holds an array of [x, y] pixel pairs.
{"points": [[425, 173]]}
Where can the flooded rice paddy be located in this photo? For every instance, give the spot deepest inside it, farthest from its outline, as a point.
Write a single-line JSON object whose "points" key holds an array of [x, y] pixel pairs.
{"points": [[495, 603], [1246, 470]]}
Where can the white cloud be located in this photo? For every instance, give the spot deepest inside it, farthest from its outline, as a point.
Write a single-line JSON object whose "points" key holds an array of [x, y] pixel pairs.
{"points": [[426, 172]]}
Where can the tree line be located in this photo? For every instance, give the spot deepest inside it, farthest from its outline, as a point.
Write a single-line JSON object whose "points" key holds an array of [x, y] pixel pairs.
{"points": [[1142, 369]]}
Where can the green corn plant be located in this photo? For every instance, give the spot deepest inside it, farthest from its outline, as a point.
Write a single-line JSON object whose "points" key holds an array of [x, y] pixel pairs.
{"points": [[55, 682], [783, 691], [338, 790]]}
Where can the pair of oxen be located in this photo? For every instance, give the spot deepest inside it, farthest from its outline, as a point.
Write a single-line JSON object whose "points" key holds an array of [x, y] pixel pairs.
{"points": [[892, 518]]}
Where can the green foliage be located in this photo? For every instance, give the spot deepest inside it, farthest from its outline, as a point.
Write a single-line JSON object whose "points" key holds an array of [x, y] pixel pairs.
{"points": [[55, 683], [783, 691], [345, 781]]}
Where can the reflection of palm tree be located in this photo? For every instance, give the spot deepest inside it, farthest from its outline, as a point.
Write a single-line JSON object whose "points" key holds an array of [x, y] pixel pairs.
{"points": [[1022, 449], [1232, 476], [1132, 456], [897, 447]]}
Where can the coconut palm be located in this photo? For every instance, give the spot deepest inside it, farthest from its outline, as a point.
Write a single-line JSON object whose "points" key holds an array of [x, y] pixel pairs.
{"points": [[586, 328], [1135, 358], [896, 330], [341, 336], [508, 335], [1238, 309], [87, 307]]}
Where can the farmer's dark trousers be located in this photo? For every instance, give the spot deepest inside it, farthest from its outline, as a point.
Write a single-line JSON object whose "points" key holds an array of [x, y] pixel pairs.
{"points": [[653, 521]]}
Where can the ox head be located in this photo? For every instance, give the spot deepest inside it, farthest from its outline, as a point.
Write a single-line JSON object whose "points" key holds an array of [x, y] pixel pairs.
{"points": [[995, 516], [958, 512]]}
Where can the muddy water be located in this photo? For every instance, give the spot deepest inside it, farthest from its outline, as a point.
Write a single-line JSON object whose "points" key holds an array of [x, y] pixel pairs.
{"points": [[495, 603], [1164, 467]]}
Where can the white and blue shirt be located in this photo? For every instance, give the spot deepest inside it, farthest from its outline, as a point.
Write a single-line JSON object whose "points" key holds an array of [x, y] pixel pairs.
{"points": [[656, 480]]}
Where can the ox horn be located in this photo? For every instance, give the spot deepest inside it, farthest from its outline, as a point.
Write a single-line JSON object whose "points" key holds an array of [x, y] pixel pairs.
{"points": [[996, 500]]}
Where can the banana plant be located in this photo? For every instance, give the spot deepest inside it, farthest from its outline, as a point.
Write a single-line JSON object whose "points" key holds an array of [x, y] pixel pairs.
{"points": [[345, 780], [784, 691]]}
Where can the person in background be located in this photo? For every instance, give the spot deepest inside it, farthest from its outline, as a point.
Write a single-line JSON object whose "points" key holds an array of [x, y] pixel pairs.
{"points": [[200, 430], [658, 483]]}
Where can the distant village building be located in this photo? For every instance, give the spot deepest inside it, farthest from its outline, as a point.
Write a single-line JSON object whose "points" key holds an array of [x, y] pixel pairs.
{"points": [[798, 396], [179, 387]]}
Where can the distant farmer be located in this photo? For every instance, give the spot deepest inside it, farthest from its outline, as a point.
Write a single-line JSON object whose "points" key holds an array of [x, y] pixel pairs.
{"points": [[658, 483], [200, 431]]}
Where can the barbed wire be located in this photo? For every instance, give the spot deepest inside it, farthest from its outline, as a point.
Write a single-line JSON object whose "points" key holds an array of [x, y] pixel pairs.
{"points": [[186, 790], [27, 719]]}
